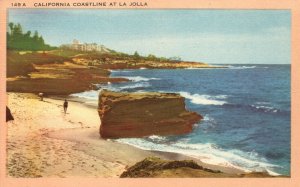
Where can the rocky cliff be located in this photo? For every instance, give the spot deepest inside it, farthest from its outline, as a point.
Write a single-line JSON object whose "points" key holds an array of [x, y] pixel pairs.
{"points": [[143, 114]]}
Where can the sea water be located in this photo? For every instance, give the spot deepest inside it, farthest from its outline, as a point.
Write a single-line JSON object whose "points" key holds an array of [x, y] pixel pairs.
{"points": [[246, 109]]}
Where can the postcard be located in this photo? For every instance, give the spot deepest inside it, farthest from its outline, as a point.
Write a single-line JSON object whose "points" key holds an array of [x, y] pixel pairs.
{"points": [[131, 93]]}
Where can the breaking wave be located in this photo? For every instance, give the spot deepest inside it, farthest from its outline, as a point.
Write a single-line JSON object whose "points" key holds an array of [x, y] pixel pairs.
{"points": [[135, 86], [241, 67], [91, 94], [207, 152], [204, 99], [138, 78]]}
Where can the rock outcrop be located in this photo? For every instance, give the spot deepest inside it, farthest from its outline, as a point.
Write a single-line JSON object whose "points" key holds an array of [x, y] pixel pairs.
{"points": [[63, 72], [143, 114], [154, 167], [9, 116]]}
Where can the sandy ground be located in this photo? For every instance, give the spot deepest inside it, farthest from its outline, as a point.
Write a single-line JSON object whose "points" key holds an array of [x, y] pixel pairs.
{"points": [[42, 141]]}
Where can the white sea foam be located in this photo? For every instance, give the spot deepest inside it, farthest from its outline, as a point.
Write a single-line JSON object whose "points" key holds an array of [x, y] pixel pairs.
{"points": [[206, 118], [263, 103], [91, 94], [138, 78], [265, 108], [241, 67], [155, 137], [220, 96], [197, 68], [272, 173], [207, 152], [190, 68], [115, 71], [204, 99], [210, 123], [111, 87], [136, 85]]}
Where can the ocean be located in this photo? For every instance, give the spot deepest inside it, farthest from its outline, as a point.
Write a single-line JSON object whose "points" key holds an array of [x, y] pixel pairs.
{"points": [[246, 109]]}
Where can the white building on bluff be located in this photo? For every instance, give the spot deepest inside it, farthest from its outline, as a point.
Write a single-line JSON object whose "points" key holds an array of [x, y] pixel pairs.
{"points": [[76, 45]]}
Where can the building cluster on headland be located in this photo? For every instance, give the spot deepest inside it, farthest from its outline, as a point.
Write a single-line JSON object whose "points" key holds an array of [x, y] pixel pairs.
{"points": [[78, 46]]}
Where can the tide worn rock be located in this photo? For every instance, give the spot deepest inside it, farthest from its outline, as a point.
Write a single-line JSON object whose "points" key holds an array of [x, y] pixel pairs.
{"points": [[143, 114], [9, 116], [154, 167]]}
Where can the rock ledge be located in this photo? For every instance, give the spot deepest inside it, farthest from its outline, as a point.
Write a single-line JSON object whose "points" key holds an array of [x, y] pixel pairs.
{"points": [[126, 115]]}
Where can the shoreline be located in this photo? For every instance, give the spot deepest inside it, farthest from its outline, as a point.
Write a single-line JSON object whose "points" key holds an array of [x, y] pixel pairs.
{"points": [[41, 129], [90, 136], [77, 73]]}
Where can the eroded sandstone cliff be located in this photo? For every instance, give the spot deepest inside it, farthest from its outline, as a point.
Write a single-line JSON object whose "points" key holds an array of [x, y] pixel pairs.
{"points": [[143, 114]]}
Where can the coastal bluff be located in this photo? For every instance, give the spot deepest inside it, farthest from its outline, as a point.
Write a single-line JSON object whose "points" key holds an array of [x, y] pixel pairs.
{"points": [[125, 115]]}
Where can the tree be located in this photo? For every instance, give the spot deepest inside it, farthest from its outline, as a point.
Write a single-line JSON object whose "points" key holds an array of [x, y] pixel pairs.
{"points": [[28, 34], [17, 30], [11, 27], [36, 36], [136, 55], [162, 59], [151, 57], [175, 59], [17, 40]]}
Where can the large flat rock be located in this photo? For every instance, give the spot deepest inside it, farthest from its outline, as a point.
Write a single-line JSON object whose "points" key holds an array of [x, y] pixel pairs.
{"points": [[143, 114]]}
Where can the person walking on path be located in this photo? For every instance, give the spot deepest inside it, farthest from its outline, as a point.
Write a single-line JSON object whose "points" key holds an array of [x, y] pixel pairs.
{"points": [[41, 95], [65, 106]]}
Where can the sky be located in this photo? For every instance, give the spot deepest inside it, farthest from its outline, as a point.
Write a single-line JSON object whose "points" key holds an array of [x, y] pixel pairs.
{"points": [[211, 36]]}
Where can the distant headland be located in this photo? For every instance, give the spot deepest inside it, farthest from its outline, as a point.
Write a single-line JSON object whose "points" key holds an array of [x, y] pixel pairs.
{"points": [[34, 66]]}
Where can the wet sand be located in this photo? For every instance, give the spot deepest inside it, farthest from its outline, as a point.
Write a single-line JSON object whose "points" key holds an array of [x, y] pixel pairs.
{"points": [[42, 141]]}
